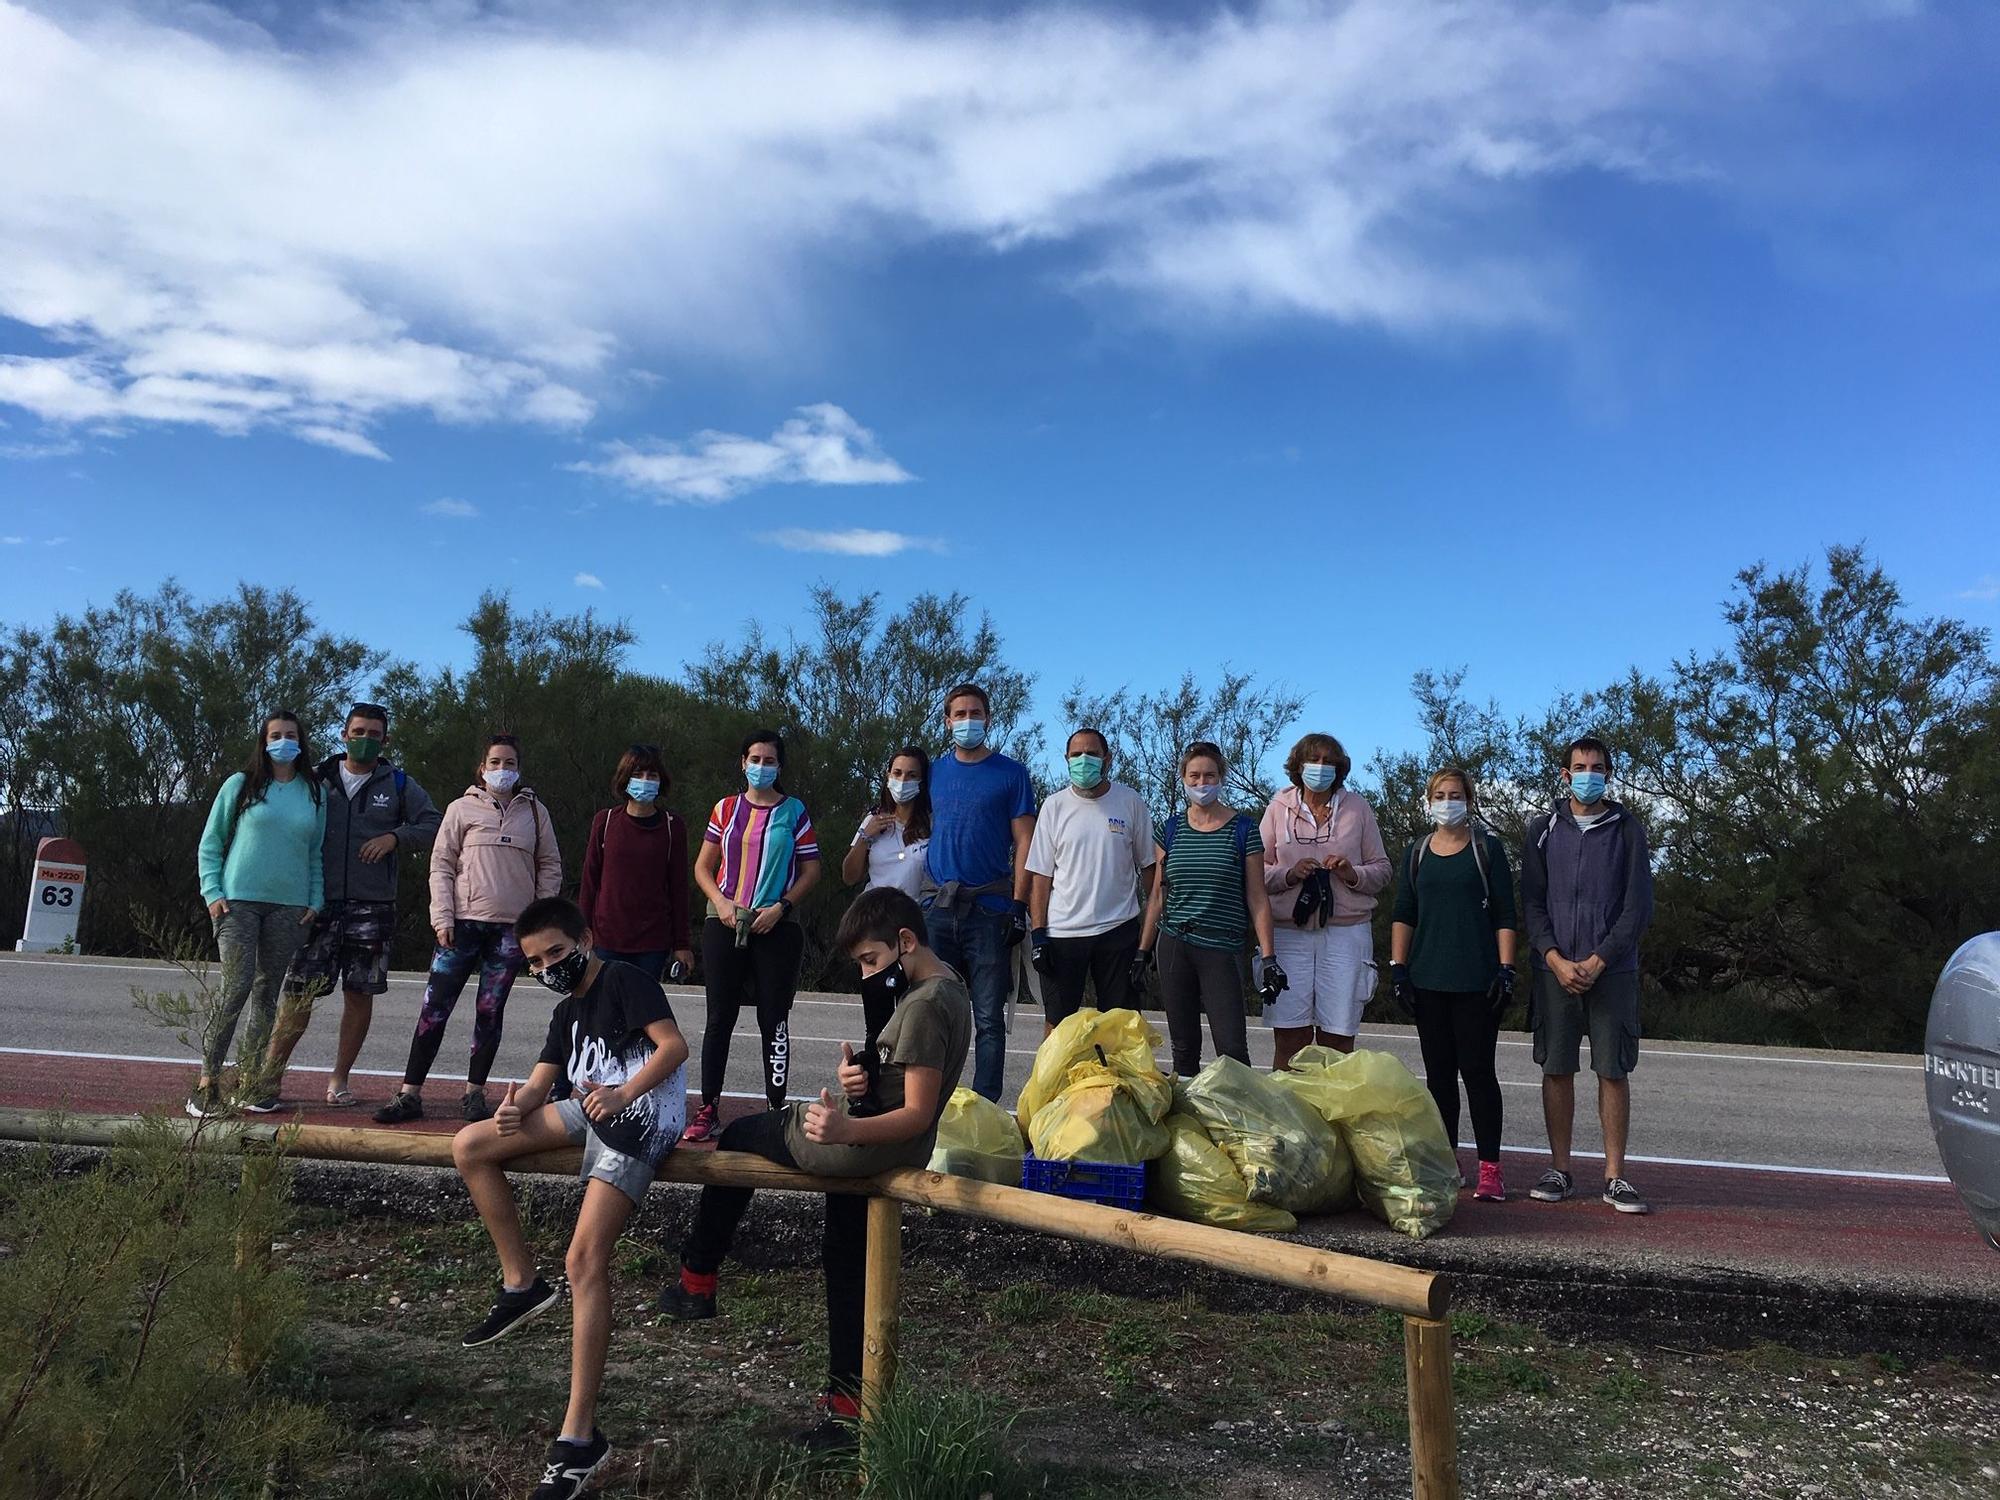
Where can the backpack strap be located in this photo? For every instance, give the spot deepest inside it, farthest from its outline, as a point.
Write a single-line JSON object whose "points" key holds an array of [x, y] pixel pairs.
{"points": [[1478, 841], [402, 802]]}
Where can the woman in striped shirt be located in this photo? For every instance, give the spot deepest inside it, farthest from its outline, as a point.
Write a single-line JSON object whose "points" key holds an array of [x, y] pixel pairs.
{"points": [[758, 859]]}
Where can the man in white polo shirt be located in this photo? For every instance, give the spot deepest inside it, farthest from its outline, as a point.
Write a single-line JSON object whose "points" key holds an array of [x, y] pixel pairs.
{"points": [[1093, 842]]}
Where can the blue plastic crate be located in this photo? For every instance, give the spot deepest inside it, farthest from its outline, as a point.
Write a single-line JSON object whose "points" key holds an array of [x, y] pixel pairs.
{"points": [[1114, 1184]]}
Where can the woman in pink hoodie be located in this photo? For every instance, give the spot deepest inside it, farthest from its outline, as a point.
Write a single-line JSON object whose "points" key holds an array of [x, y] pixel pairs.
{"points": [[495, 852], [1324, 863]]}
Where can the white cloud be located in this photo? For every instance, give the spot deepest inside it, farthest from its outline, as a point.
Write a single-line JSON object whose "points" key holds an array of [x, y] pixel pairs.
{"points": [[30, 452], [855, 542], [588, 581], [821, 444], [478, 213], [1985, 591], [21, 541], [457, 510]]}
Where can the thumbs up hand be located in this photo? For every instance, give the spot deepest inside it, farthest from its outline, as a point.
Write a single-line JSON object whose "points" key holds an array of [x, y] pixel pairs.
{"points": [[507, 1118], [853, 1077], [825, 1121]]}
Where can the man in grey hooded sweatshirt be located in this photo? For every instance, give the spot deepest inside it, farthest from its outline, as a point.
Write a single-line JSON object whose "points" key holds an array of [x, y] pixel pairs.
{"points": [[1586, 897]]}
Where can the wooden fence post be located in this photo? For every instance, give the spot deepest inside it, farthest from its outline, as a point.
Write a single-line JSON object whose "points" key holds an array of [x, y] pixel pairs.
{"points": [[1433, 1426], [878, 1315]]}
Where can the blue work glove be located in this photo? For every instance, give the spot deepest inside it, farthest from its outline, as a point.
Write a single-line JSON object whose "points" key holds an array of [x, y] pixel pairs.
{"points": [[1039, 956], [1017, 923]]}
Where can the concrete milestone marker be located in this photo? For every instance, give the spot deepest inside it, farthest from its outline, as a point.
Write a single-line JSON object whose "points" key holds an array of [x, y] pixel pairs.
{"points": [[55, 898]]}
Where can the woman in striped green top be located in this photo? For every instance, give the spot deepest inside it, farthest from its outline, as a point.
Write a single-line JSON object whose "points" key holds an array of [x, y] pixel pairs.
{"points": [[1208, 895]]}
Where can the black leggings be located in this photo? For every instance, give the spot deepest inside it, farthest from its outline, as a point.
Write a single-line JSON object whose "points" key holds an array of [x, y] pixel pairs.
{"points": [[843, 1249], [1103, 961], [1458, 1035], [768, 967], [1194, 979]]}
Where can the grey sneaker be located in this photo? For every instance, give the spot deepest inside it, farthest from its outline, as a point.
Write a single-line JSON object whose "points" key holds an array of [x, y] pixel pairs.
{"points": [[1553, 1186], [475, 1108], [206, 1104], [1622, 1196], [266, 1104]]}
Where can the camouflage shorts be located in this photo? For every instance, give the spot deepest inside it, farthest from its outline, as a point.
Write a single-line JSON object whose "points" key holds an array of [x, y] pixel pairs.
{"points": [[348, 949]]}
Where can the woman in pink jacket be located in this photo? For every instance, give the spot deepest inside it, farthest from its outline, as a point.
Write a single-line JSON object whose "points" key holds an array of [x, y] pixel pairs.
{"points": [[1324, 863], [495, 852]]}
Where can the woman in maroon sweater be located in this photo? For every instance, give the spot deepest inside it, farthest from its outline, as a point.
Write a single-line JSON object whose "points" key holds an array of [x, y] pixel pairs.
{"points": [[635, 873]]}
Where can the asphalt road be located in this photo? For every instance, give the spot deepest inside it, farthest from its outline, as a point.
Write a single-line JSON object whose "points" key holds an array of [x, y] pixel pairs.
{"points": [[1764, 1107]]}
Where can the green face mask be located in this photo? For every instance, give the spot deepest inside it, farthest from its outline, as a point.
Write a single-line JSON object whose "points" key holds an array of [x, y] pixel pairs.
{"points": [[1085, 771], [363, 748]]}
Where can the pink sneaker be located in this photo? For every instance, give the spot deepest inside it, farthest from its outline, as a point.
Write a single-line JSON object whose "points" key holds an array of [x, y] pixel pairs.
{"points": [[702, 1126], [1491, 1187]]}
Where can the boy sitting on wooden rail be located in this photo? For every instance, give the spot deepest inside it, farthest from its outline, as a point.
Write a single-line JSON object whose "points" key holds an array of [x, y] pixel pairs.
{"points": [[613, 1062], [889, 1119]]}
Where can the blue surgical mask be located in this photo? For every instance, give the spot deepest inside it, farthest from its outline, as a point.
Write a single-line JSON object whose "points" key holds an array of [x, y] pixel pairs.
{"points": [[284, 752], [642, 789], [1587, 786], [904, 789], [1318, 776], [760, 776], [1202, 796], [1085, 771], [968, 734]]}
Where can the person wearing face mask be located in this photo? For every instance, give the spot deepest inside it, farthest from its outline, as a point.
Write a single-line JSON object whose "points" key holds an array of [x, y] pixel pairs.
{"points": [[1451, 962], [1092, 845], [1586, 897], [634, 892], [1208, 896], [886, 1117], [1324, 865], [495, 853], [892, 845], [261, 875], [982, 820], [374, 813], [759, 858]]}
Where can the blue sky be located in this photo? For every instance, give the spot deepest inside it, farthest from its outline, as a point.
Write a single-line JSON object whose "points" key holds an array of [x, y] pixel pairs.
{"points": [[1330, 341]]}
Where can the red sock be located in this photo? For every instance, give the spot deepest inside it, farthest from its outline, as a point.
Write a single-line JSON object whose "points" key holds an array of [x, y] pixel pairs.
{"points": [[696, 1282], [843, 1405]]}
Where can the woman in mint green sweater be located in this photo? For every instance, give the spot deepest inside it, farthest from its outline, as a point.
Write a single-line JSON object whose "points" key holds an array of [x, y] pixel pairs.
{"points": [[262, 879]]}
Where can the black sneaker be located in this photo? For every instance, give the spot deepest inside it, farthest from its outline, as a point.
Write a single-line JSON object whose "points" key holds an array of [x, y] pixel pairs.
{"points": [[684, 1306], [1553, 1186], [404, 1105], [206, 1104], [268, 1104], [570, 1466], [1622, 1196], [510, 1312], [838, 1429], [475, 1108]]}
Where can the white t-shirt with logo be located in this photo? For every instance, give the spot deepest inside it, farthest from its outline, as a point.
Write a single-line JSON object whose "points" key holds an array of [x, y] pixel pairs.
{"points": [[1093, 850], [895, 860]]}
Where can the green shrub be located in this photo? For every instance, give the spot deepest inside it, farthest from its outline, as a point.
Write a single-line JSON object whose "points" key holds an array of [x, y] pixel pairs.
{"points": [[934, 1445]]}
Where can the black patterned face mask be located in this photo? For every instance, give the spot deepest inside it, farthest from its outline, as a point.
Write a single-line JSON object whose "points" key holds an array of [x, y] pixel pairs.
{"points": [[565, 973], [886, 984]]}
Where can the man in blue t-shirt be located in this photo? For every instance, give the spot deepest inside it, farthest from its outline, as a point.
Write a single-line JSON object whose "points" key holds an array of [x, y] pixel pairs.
{"points": [[982, 817]]}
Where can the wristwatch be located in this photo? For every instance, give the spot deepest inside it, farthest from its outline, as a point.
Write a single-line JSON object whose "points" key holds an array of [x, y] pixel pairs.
{"points": [[785, 905]]}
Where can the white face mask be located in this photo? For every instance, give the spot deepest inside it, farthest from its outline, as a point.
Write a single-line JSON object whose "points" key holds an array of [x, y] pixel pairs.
{"points": [[501, 781], [904, 790], [1448, 812], [1202, 796]]}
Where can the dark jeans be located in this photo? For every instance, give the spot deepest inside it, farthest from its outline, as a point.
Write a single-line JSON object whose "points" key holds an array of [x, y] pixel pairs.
{"points": [[843, 1249], [1105, 960], [652, 965], [1193, 980], [767, 968], [1458, 1036], [973, 941], [490, 948]]}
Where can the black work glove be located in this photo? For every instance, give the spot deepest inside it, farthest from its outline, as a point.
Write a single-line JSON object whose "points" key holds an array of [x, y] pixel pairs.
{"points": [[1402, 991], [1271, 980], [1500, 993], [1038, 953], [1017, 924], [1142, 965]]}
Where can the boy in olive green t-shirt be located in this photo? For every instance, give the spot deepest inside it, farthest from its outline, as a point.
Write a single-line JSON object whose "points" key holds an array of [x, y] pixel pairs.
{"points": [[890, 1115]]}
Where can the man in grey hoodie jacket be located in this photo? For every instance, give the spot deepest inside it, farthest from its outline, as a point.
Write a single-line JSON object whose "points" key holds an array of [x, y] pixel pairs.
{"points": [[374, 812], [1586, 897]]}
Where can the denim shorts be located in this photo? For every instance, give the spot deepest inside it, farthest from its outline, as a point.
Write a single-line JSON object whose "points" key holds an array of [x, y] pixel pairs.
{"points": [[629, 1174]]}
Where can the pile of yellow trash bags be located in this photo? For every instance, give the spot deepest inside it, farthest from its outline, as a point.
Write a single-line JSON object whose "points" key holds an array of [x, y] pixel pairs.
{"points": [[1231, 1147]]}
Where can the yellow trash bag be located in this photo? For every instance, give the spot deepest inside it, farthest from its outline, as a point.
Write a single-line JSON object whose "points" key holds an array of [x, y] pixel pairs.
{"points": [[1406, 1170], [977, 1138], [1101, 1116], [1285, 1153], [1119, 1040], [1194, 1180]]}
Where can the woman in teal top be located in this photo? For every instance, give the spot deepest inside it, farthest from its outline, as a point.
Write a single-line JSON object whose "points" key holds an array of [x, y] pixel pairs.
{"points": [[262, 879], [1208, 896]]}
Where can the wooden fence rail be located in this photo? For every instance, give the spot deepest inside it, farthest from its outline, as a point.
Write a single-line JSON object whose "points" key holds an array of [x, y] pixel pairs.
{"points": [[1422, 1297]]}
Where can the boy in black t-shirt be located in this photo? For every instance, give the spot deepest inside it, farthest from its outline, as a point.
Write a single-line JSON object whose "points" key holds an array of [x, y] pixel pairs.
{"points": [[614, 1066], [888, 1119]]}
